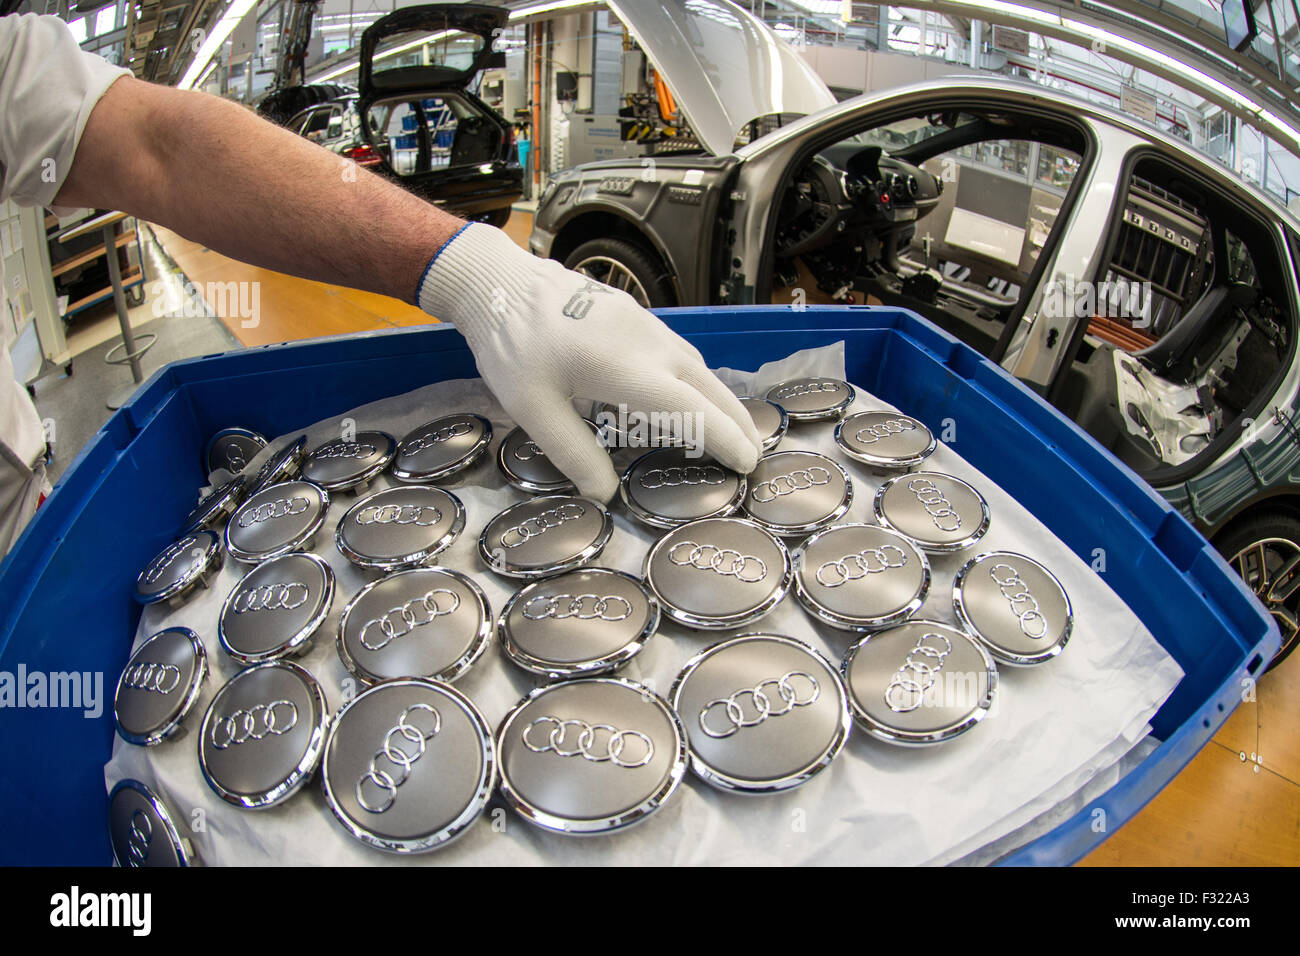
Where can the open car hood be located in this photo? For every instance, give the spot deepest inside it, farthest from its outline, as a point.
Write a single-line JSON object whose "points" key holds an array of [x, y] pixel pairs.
{"points": [[723, 65], [460, 38]]}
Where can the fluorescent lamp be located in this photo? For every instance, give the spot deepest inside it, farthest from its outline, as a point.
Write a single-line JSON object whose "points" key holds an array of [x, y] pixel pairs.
{"points": [[237, 10], [539, 9], [1196, 78]]}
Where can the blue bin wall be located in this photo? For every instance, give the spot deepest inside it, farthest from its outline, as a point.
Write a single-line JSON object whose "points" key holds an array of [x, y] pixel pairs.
{"points": [[65, 589]]}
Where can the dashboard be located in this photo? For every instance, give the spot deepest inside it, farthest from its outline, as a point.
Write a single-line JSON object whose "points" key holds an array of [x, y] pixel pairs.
{"points": [[858, 190]]}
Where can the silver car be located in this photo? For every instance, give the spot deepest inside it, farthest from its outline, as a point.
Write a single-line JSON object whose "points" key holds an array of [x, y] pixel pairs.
{"points": [[1136, 285]]}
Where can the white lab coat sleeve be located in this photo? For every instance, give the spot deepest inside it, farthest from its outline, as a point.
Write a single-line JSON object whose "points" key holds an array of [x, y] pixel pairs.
{"points": [[48, 88]]}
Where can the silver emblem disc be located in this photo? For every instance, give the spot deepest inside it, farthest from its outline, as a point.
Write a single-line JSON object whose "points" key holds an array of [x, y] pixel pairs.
{"points": [[718, 573], [409, 765], [1015, 606], [920, 683], [763, 713], [590, 756]]}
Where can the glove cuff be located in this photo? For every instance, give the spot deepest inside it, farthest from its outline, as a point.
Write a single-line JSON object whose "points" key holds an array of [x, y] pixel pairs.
{"points": [[476, 280]]}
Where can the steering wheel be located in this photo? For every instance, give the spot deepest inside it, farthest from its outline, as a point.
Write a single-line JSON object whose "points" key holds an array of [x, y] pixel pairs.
{"points": [[811, 218]]}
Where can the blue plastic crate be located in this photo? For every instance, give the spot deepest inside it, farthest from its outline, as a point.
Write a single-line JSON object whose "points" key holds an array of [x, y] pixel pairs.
{"points": [[65, 590]]}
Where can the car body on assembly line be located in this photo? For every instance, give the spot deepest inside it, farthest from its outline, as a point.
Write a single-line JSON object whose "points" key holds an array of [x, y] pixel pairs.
{"points": [[418, 124], [1133, 283]]}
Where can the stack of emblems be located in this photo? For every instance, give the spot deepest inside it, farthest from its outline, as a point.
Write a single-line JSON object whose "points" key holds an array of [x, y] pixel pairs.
{"points": [[409, 763]]}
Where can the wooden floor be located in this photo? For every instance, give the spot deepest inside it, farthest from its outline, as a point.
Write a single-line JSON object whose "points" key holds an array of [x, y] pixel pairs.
{"points": [[1237, 802], [294, 308]]}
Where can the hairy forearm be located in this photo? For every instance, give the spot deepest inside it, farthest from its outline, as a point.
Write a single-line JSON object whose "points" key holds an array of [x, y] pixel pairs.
{"points": [[217, 174]]}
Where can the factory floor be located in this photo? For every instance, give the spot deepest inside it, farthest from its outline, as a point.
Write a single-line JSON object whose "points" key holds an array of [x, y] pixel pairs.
{"points": [[1236, 803]]}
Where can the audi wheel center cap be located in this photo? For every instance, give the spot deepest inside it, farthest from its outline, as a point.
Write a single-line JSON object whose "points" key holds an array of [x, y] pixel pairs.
{"points": [[281, 466], [403, 527], [813, 399], [667, 487], [545, 536], [939, 512], [590, 756], [428, 622], [860, 577], [526, 467], [277, 520], [180, 568], [441, 448], [919, 683], [340, 465], [718, 573], [142, 830], [216, 506], [885, 441], [769, 418], [232, 449], [794, 492], [408, 766], [159, 687], [1015, 606], [762, 712], [579, 624], [276, 608], [263, 735]]}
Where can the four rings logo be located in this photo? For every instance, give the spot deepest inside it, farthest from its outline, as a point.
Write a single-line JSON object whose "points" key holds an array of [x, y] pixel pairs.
{"points": [[851, 567], [735, 713], [910, 683], [344, 449], [163, 562], [706, 557], [425, 516], [255, 723], [269, 510], [541, 523], [235, 457], [416, 612], [773, 488], [583, 607], [1023, 604], [276, 596], [151, 677], [401, 761], [528, 451], [613, 750], [805, 388], [436, 437], [138, 837], [683, 475], [890, 426], [936, 505]]}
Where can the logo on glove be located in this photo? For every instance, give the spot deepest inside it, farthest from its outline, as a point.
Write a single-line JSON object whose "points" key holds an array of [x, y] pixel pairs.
{"points": [[580, 303]]}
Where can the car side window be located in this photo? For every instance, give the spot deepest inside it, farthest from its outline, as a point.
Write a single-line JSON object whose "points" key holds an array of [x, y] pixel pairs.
{"points": [[334, 125], [316, 125]]}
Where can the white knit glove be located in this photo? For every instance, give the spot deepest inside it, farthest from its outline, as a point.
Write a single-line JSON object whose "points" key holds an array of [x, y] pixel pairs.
{"points": [[543, 336]]}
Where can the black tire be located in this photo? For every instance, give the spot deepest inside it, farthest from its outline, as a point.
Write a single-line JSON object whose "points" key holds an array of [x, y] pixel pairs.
{"points": [[1278, 531], [497, 217], [644, 266]]}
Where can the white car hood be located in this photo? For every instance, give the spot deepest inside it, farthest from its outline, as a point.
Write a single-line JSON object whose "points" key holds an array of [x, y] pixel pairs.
{"points": [[723, 66]]}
